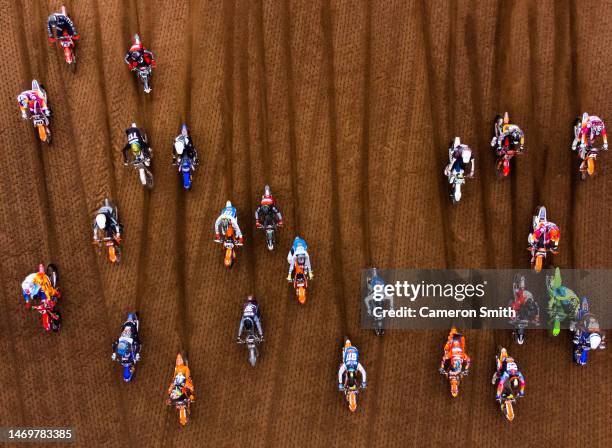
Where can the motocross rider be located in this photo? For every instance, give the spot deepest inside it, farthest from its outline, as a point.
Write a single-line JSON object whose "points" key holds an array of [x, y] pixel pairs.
{"points": [[106, 220], [183, 146], [524, 304], [267, 211], [181, 385], [250, 310], [59, 23], [585, 134], [38, 285], [33, 102], [545, 234], [460, 156], [350, 364], [454, 351], [373, 298], [138, 145], [228, 213], [138, 56], [563, 302], [128, 342], [587, 334], [503, 130], [299, 254], [507, 370]]}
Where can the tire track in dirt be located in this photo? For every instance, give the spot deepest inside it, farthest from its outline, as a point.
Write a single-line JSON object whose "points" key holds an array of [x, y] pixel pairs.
{"points": [[243, 74], [112, 182], [141, 271], [266, 155], [535, 134], [227, 96], [337, 239], [471, 40], [574, 179], [50, 243], [183, 326], [287, 334], [436, 110], [288, 63]]}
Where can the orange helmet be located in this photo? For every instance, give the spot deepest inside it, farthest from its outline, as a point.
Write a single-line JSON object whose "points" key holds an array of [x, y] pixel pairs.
{"points": [[555, 234]]}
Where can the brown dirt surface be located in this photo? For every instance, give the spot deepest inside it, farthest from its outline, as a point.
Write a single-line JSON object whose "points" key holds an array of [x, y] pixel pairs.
{"points": [[345, 108]]}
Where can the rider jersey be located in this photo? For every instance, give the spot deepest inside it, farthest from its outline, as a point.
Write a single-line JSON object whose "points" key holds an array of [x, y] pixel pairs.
{"points": [[351, 358], [133, 136], [250, 309]]}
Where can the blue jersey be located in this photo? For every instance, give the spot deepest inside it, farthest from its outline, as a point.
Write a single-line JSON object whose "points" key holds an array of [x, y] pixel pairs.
{"points": [[351, 358], [229, 211]]}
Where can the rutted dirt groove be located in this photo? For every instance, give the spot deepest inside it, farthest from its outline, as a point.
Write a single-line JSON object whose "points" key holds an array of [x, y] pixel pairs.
{"points": [[345, 109]]}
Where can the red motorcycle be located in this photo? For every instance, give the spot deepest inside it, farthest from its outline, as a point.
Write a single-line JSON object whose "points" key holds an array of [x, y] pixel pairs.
{"points": [[68, 46], [51, 318], [503, 162]]}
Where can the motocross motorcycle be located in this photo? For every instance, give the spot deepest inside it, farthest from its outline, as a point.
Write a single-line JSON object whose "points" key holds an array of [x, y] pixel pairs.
{"points": [[128, 361], [50, 315], [251, 340], [143, 73], [456, 180], [145, 175], [111, 243], [39, 120], [186, 166], [229, 243], [351, 389], [68, 46], [508, 399], [178, 399], [300, 282], [538, 248], [454, 374]]}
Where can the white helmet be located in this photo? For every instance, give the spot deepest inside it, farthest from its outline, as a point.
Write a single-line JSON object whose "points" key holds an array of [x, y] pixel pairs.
{"points": [[228, 204], [457, 142], [594, 340], [466, 155], [101, 220], [179, 146]]}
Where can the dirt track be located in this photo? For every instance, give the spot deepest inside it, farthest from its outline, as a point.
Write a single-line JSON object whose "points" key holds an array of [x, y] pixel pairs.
{"points": [[345, 109]]}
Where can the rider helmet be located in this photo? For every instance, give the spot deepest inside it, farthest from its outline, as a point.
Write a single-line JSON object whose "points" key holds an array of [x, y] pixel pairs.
{"points": [[267, 198], [555, 234], [23, 100], [466, 155]]}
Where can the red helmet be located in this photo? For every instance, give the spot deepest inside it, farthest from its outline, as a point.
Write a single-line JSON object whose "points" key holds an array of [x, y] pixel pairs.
{"points": [[267, 198], [555, 234]]}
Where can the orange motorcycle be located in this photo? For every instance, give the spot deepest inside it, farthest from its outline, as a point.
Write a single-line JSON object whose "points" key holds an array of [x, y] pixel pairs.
{"points": [[112, 246], [229, 244], [454, 374], [178, 393], [300, 283]]}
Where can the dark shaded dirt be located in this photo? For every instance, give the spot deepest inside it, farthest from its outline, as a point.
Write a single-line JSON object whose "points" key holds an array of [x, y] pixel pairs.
{"points": [[345, 109]]}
